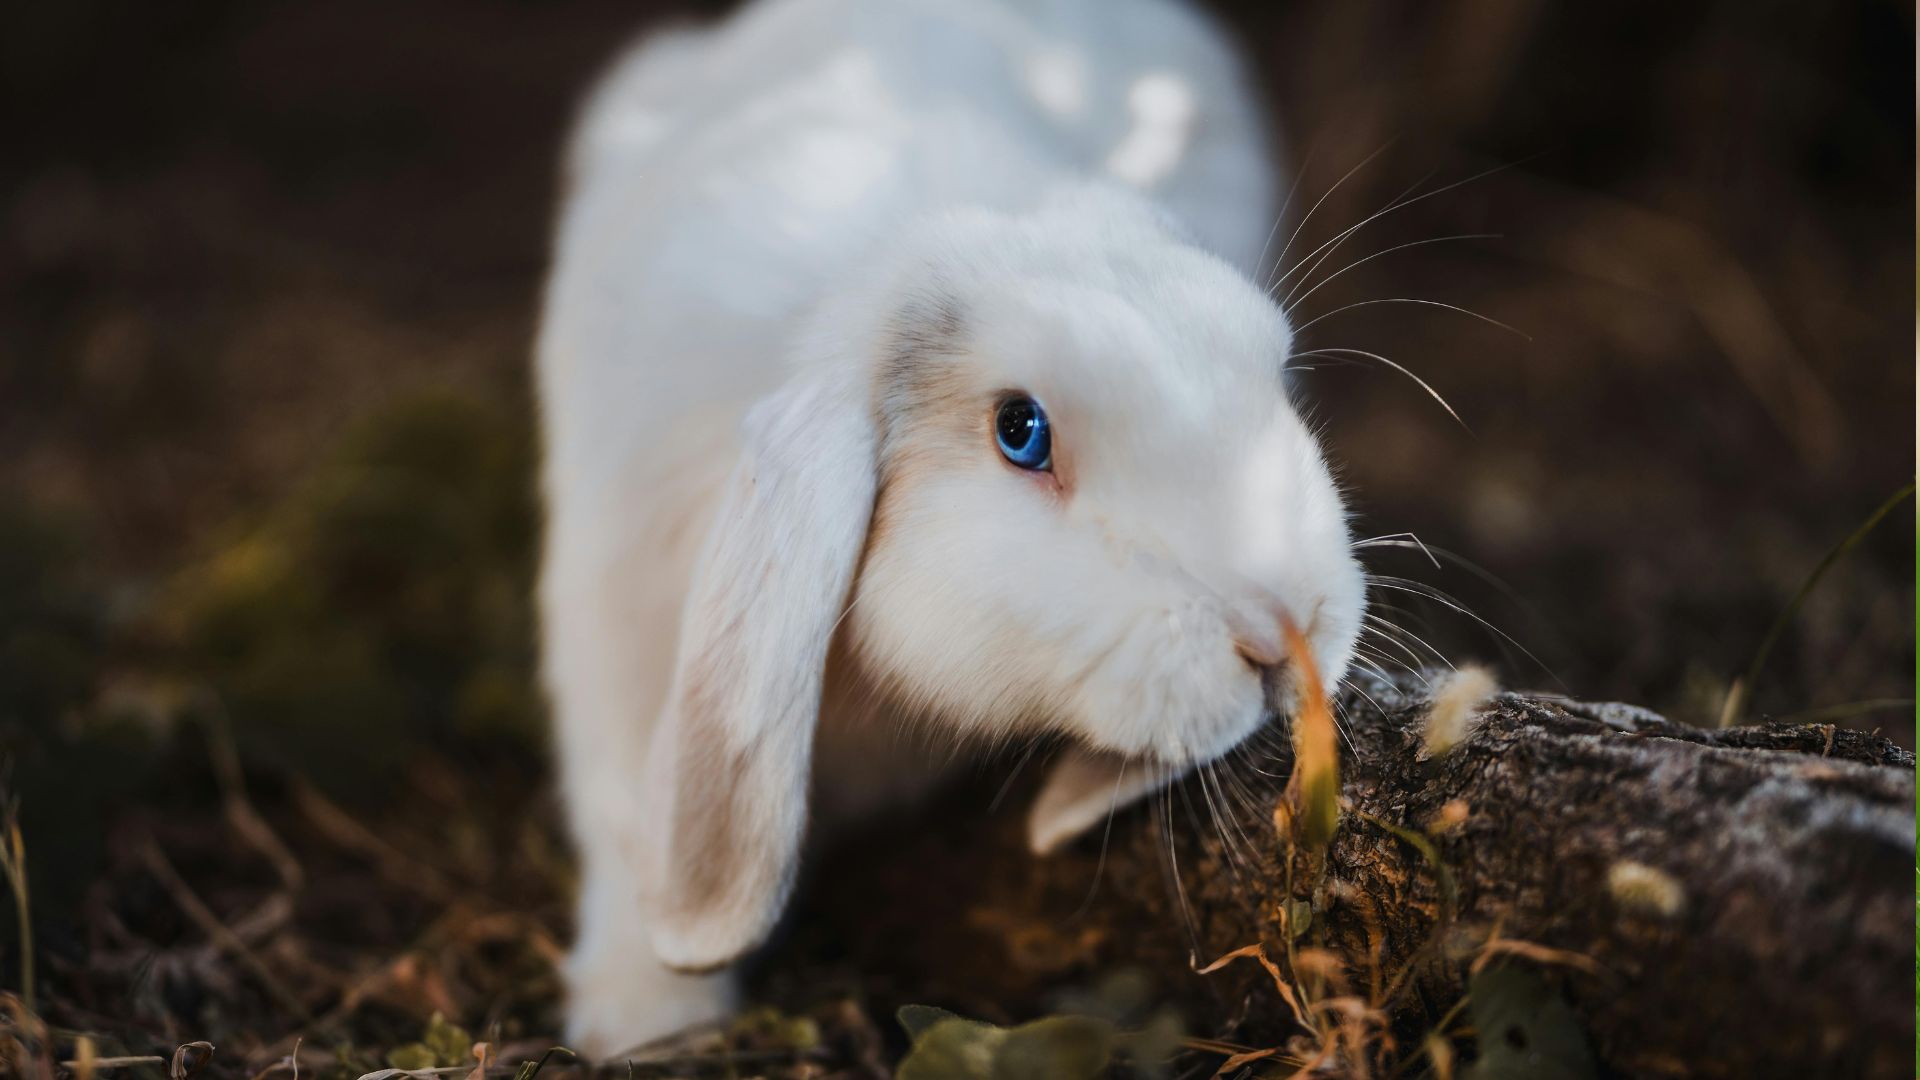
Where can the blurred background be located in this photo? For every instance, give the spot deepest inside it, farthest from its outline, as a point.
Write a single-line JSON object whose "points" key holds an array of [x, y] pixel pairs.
{"points": [[268, 279]]}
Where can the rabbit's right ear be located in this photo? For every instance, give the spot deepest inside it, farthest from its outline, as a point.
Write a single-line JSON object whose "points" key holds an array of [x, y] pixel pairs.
{"points": [[729, 766], [1086, 787]]}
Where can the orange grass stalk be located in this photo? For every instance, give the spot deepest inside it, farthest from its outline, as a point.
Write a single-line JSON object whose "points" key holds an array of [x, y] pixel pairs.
{"points": [[1314, 790]]}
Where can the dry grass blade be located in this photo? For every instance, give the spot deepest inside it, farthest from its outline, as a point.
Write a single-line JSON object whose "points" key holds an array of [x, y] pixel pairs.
{"points": [[1259, 953], [346, 831], [1440, 1052], [1539, 954], [218, 932], [1248, 1058], [128, 1062], [13, 862], [288, 1064], [189, 1058], [1314, 790], [84, 1060], [447, 1070], [1213, 1046], [1742, 688], [1236, 1054], [239, 809]]}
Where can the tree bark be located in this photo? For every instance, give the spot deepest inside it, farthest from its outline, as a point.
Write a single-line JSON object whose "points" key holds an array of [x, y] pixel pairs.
{"points": [[1719, 903]]}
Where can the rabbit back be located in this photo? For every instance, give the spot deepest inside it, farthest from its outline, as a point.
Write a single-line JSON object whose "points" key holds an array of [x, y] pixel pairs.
{"points": [[722, 179]]}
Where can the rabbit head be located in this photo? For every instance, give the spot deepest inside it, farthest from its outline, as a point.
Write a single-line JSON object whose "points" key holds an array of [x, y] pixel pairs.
{"points": [[1040, 475]]}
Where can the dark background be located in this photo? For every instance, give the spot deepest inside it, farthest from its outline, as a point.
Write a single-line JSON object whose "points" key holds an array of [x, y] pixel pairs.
{"points": [[268, 277]]}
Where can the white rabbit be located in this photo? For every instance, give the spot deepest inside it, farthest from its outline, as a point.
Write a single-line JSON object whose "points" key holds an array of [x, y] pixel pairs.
{"points": [[905, 387]]}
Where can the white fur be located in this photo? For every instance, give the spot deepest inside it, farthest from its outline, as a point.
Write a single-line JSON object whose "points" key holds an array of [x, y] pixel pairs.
{"points": [[802, 256]]}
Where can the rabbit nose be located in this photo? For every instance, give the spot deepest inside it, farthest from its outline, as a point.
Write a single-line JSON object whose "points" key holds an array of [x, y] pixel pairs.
{"points": [[1276, 681], [1257, 625], [1278, 690], [1255, 629]]}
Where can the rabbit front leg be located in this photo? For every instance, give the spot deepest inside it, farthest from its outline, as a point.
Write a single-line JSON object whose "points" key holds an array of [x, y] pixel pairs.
{"points": [[605, 677], [619, 995]]}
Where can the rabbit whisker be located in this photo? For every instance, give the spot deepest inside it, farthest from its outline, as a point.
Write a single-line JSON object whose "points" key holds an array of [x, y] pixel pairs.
{"points": [[1390, 634], [1248, 806], [1201, 774], [1362, 691], [1225, 823], [1399, 203], [1423, 384], [1012, 775], [1269, 746], [1418, 588], [1411, 643], [1435, 554], [1406, 539], [1326, 250], [1302, 328], [1370, 664], [1280, 218], [1172, 867], [1295, 297], [843, 616], [1106, 837], [1402, 629], [1282, 257]]}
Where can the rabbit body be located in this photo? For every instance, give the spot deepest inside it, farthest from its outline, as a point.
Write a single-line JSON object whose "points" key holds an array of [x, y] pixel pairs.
{"points": [[742, 205]]}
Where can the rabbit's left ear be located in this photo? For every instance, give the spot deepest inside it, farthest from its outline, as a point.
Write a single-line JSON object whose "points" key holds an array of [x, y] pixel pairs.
{"points": [[731, 755], [1085, 787]]}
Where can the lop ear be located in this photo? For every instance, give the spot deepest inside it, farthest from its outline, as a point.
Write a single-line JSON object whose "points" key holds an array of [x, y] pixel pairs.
{"points": [[731, 755], [1084, 788]]}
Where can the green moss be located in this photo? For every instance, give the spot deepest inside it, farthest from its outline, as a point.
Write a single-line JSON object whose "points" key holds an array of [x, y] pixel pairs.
{"points": [[383, 604]]}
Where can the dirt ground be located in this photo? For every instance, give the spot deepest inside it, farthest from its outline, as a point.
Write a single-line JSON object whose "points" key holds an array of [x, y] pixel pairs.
{"points": [[241, 244]]}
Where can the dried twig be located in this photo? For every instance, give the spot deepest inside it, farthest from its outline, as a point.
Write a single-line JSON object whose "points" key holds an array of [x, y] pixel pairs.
{"points": [[202, 916], [346, 831], [239, 809], [126, 1062]]}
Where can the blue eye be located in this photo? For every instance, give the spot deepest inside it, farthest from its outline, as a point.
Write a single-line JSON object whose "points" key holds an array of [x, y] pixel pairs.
{"points": [[1025, 437]]}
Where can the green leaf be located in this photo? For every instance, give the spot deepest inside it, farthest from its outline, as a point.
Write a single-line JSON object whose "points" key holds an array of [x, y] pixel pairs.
{"points": [[1526, 1031], [918, 1018], [1299, 918], [950, 1047], [768, 1025], [411, 1056], [1056, 1048], [348, 1064], [449, 1043], [953, 1049]]}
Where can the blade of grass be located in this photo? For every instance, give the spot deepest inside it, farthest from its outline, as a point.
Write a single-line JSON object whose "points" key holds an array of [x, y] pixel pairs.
{"points": [[1315, 786], [13, 862], [1742, 689]]}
